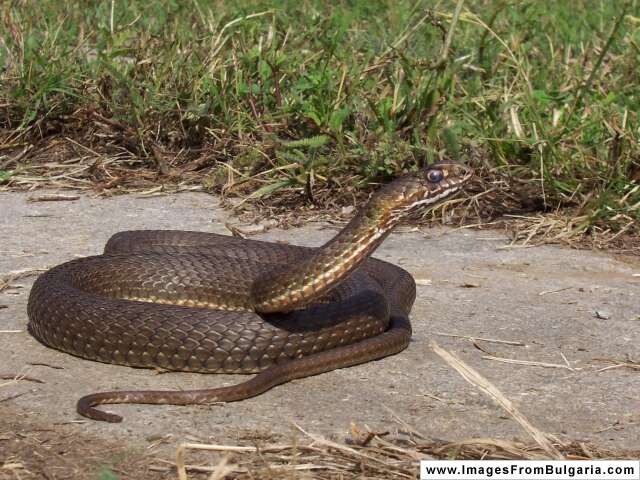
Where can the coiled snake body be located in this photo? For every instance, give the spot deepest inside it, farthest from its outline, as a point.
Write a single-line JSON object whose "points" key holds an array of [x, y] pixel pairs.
{"points": [[211, 303]]}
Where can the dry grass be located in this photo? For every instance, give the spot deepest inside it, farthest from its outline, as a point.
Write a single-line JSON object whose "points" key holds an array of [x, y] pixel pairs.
{"points": [[565, 228], [380, 455], [493, 200], [6, 280]]}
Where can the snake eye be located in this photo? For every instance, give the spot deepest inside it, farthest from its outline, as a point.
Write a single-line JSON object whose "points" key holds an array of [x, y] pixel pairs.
{"points": [[434, 176]]}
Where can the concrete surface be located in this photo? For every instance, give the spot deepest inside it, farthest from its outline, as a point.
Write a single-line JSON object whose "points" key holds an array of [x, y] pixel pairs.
{"points": [[469, 285]]}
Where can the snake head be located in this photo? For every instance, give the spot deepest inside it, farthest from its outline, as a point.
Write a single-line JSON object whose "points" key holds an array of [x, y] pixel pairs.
{"points": [[443, 178], [425, 188]]}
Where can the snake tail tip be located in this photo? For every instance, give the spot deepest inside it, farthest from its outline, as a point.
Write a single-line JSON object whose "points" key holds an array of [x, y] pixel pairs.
{"points": [[85, 407]]}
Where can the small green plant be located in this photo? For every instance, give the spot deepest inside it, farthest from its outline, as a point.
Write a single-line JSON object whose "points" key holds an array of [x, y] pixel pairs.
{"points": [[299, 161], [105, 473], [5, 175]]}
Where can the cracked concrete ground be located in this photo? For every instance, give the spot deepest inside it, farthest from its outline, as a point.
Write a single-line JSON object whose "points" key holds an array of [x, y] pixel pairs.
{"points": [[574, 310]]}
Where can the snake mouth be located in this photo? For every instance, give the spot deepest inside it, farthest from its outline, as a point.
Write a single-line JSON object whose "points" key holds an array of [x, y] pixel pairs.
{"points": [[438, 197]]}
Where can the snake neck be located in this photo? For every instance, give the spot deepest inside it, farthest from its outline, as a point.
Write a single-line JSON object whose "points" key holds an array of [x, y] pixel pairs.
{"points": [[292, 286]]}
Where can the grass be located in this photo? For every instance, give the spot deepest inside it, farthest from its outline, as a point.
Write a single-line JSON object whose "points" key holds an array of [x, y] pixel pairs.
{"points": [[265, 97]]}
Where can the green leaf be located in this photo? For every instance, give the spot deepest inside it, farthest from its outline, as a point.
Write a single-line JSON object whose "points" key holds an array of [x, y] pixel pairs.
{"points": [[311, 142], [313, 115], [337, 118], [273, 187], [5, 175], [542, 97], [105, 473], [265, 70], [451, 142]]}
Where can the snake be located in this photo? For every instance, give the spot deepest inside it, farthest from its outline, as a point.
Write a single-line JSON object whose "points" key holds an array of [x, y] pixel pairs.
{"points": [[204, 302]]}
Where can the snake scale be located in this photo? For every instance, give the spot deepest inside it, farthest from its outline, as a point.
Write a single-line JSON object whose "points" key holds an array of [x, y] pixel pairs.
{"points": [[202, 302]]}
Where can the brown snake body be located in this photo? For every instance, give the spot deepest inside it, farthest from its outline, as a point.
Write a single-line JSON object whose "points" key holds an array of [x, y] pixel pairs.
{"points": [[211, 303]]}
